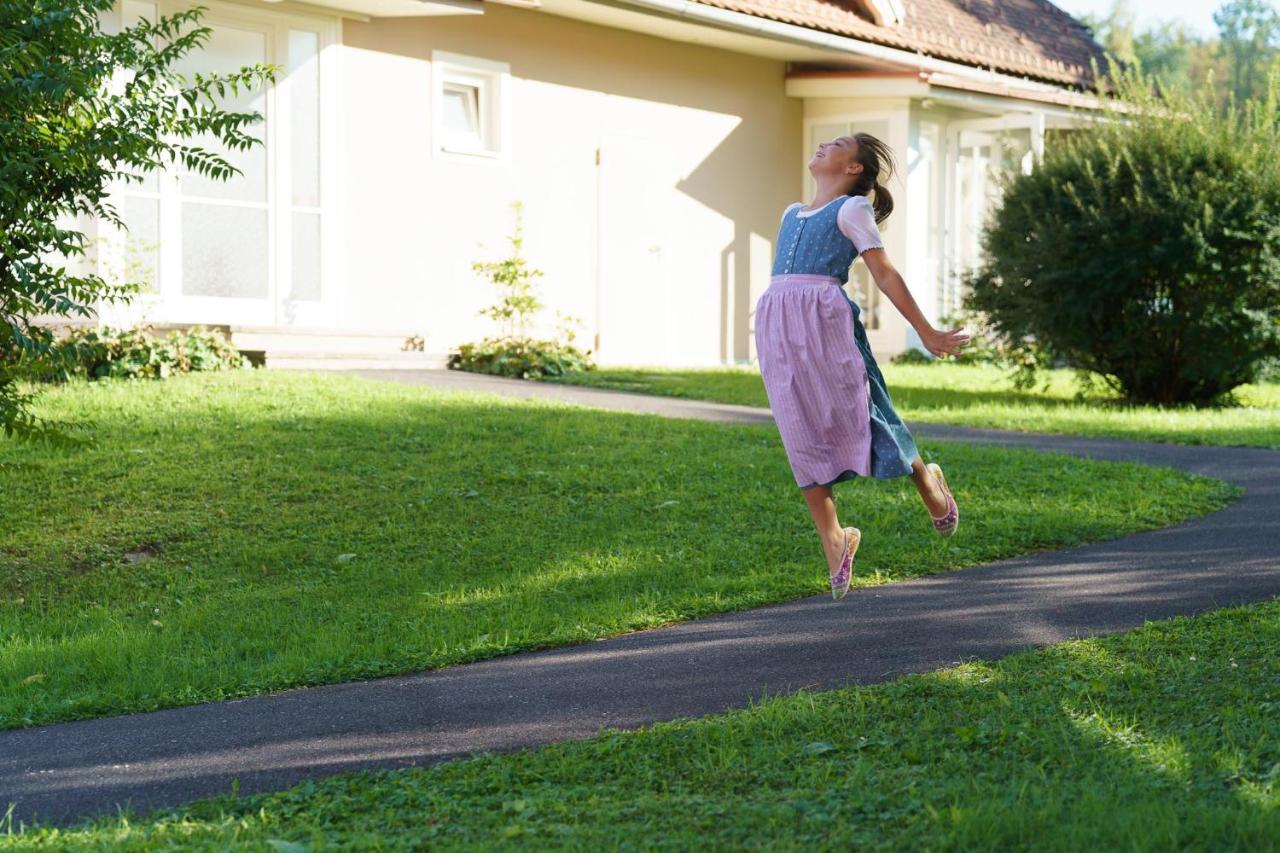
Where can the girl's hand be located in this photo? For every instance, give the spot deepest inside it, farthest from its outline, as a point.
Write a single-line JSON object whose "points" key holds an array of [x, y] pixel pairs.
{"points": [[942, 343]]}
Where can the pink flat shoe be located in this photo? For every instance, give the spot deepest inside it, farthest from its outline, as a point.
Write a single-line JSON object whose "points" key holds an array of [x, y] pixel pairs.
{"points": [[947, 523], [840, 580]]}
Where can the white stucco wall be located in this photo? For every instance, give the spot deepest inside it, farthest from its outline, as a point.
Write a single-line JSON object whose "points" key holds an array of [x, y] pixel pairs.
{"points": [[661, 249]]}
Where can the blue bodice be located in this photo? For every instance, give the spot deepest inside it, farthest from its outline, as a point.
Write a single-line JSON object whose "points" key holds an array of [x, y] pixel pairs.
{"points": [[814, 244]]}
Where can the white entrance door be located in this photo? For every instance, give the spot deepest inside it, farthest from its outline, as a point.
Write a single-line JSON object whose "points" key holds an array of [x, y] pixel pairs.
{"points": [[636, 186], [249, 250]]}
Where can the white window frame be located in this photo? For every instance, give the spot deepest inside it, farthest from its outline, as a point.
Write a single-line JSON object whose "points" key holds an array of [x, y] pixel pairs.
{"points": [[492, 82]]}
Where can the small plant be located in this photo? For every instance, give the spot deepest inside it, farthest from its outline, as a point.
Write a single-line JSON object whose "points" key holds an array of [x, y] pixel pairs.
{"points": [[514, 279], [514, 352]]}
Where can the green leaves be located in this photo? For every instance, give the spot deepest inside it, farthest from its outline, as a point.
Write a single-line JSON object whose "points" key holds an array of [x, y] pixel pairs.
{"points": [[522, 358], [132, 354], [1155, 256], [514, 279], [81, 108]]}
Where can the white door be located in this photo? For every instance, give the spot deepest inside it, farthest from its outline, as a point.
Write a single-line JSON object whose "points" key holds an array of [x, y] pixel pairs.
{"points": [[252, 249], [637, 180]]}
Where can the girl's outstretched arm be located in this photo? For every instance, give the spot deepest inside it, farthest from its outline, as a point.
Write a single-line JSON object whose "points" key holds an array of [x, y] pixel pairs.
{"points": [[892, 285]]}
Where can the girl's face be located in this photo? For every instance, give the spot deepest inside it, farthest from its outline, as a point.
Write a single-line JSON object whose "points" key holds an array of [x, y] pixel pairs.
{"points": [[835, 158]]}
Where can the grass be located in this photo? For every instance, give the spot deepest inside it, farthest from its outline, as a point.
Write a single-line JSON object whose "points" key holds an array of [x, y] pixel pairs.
{"points": [[1165, 738], [232, 534], [982, 396]]}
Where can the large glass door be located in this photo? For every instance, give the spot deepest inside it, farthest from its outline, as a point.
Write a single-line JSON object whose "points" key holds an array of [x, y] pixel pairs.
{"points": [[252, 249], [221, 248]]}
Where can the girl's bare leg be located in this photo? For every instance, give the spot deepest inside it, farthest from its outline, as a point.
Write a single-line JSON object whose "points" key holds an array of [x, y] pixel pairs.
{"points": [[930, 492], [822, 507]]}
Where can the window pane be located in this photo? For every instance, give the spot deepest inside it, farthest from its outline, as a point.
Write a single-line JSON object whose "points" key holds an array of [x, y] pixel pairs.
{"points": [[132, 12], [227, 50], [304, 109], [460, 115], [224, 250], [142, 242], [306, 257], [135, 10]]}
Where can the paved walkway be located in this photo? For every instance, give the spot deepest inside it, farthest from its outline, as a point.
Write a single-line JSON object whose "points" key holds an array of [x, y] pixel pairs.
{"points": [[700, 667]]}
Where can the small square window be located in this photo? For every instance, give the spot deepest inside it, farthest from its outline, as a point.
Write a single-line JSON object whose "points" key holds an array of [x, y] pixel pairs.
{"points": [[468, 113], [460, 116]]}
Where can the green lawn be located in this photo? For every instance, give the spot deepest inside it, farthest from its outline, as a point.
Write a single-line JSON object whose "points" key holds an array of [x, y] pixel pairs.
{"points": [[981, 396], [1165, 738], [237, 533]]}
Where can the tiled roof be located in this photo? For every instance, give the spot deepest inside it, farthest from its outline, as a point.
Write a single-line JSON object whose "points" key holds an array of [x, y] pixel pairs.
{"points": [[1031, 38]]}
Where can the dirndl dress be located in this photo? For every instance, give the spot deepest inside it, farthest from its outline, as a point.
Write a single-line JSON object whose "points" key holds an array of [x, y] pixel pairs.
{"points": [[828, 397]]}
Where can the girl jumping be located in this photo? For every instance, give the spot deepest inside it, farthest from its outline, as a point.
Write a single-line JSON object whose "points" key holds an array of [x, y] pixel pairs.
{"points": [[827, 394]]}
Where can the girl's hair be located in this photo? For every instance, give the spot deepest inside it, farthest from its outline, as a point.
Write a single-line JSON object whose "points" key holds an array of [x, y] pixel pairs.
{"points": [[875, 157]]}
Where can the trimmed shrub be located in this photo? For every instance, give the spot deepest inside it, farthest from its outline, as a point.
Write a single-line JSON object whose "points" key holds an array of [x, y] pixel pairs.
{"points": [[1146, 251], [519, 357], [99, 353]]}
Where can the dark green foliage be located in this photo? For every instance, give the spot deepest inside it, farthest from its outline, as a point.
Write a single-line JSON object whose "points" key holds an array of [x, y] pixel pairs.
{"points": [[137, 354], [1146, 251], [521, 357], [81, 108]]}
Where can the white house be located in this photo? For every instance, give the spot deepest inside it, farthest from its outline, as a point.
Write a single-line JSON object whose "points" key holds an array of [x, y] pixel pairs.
{"points": [[653, 143]]}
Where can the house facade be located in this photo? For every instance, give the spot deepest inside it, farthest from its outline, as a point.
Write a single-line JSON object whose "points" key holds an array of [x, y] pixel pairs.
{"points": [[652, 144]]}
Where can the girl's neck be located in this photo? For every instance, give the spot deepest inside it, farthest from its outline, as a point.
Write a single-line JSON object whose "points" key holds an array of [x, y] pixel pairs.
{"points": [[826, 192]]}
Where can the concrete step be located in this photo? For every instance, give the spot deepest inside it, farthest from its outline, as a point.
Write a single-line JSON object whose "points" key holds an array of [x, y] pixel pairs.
{"points": [[274, 340], [355, 361]]}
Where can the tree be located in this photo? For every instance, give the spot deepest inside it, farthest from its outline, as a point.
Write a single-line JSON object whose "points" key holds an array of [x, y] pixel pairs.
{"points": [[1172, 54], [1248, 32], [1232, 65], [514, 279], [1114, 31], [80, 108]]}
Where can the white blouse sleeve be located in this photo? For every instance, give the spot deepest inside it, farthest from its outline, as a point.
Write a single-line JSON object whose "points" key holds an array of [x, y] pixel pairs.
{"points": [[857, 221]]}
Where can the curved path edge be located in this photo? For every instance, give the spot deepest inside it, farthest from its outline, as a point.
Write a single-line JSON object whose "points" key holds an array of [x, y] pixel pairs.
{"points": [[61, 773]]}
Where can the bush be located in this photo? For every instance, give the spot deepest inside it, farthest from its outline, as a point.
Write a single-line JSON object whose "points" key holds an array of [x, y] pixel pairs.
{"points": [[520, 357], [1146, 251], [136, 354]]}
